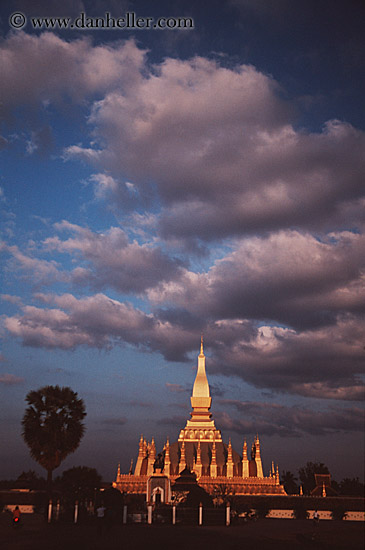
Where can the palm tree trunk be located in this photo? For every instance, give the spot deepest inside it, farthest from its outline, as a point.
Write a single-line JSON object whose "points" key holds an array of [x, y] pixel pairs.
{"points": [[48, 495], [49, 485]]}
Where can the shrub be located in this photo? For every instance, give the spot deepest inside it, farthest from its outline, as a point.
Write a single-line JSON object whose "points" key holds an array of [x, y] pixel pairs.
{"points": [[338, 513], [262, 510], [300, 512]]}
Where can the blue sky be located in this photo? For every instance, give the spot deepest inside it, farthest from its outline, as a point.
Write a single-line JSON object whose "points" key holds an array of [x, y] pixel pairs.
{"points": [[156, 184]]}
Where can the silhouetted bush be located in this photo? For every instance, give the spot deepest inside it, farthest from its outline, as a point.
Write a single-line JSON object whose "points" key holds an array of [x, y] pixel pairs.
{"points": [[262, 510], [338, 513], [300, 512]]}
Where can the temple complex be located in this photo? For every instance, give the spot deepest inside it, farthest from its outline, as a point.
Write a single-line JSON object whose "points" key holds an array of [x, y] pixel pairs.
{"points": [[200, 448]]}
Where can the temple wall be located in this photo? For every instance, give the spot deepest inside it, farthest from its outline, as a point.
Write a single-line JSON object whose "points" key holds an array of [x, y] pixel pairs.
{"points": [[129, 483]]}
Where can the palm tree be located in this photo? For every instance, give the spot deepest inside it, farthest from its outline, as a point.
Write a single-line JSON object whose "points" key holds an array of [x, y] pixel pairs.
{"points": [[52, 426]]}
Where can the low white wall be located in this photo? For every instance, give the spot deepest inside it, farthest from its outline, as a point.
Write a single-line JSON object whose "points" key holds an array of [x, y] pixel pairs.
{"points": [[281, 514], [355, 516], [24, 508], [323, 514]]}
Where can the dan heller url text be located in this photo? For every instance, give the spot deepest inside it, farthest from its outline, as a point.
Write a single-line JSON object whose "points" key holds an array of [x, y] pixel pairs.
{"points": [[130, 21]]}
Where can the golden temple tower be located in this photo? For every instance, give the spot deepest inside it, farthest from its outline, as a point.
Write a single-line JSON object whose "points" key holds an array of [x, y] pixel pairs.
{"points": [[200, 448], [200, 427]]}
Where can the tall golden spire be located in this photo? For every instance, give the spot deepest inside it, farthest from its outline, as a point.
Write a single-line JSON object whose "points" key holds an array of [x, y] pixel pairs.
{"points": [[200, 426], [201, 394]]}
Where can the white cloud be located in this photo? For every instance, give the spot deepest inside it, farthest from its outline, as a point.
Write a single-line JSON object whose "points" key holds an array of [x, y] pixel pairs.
{"points": [[220, 144], [217, 142], [38, 270], [287, 277], [113, 261], [47, 68], [93, 321]]}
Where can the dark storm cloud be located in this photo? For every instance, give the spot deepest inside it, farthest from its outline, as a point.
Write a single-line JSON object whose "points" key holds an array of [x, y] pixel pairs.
{"points": [[322, 363], [270, 419]]}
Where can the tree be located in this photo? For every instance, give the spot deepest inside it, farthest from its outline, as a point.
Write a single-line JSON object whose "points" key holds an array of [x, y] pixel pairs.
{"points": [[52, 426], [222, 494], [306, 475], [290, 482], [79, 483], [352, 487], [30, 480]]}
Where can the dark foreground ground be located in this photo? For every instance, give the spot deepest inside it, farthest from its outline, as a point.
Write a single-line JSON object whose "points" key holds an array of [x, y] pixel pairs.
{"points": [[263, 534]]}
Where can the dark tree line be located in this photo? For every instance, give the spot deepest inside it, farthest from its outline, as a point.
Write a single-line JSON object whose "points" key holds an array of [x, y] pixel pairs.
{"points": [[306, 479]]}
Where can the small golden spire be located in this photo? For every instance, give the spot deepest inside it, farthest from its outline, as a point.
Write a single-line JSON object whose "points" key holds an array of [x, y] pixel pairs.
{"points": [[198, 454], [167, 449], [244, 450], [201, 345]]}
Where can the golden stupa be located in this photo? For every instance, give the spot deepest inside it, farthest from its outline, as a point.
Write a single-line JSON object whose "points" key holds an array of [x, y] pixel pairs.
{"points": [[200, 449]]}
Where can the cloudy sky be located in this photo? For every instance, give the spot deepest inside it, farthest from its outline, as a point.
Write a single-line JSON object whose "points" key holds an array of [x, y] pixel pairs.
{"points": [[160, 183]]}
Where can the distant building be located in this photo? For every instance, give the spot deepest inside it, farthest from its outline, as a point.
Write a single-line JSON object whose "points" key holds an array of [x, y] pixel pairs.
{"points": [[200, 449], [323, 486]]}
